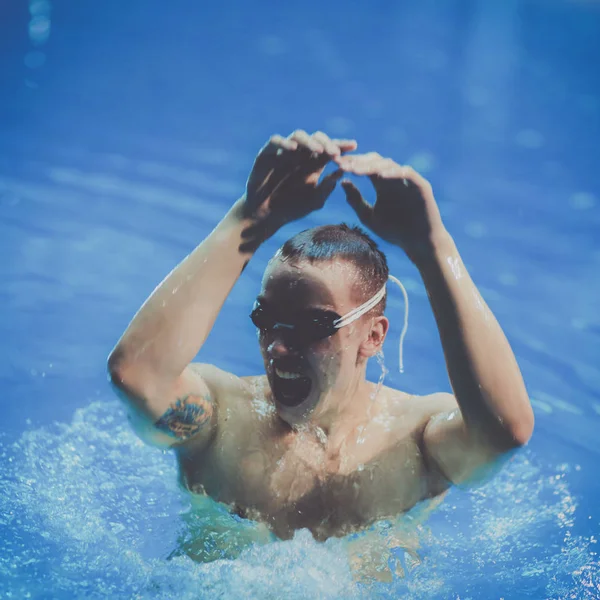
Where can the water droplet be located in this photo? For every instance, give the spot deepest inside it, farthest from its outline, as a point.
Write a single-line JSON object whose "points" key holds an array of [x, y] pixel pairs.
{"points": [[423, 162], [39, 29], [34, 60], [529, 138], [582, 201], [39, 7], [272, 45], [475, 229]]}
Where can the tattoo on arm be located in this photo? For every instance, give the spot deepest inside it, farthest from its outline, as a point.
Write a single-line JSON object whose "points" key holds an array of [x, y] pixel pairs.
{"points": [[186, 417]]}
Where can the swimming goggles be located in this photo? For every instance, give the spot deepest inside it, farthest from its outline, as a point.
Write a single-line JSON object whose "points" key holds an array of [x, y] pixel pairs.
{"points": [[312, 325]]}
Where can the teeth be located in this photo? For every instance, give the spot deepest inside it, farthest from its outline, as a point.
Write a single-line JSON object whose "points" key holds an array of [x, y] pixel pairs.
{"points": [[286, 374]]}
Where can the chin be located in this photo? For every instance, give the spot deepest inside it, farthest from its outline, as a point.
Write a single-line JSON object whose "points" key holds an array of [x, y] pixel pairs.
{"points": [[293, 415]]}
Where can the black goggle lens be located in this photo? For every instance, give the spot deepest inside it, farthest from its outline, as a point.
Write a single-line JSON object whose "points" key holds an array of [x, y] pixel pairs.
{"points": [[306, 326]]}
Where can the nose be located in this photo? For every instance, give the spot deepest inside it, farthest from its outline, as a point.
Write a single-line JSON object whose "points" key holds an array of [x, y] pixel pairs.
{"points": [[280, 346]]}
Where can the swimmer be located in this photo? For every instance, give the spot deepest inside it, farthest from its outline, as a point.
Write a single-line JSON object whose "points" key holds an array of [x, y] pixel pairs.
{"points": [[311, 443]]}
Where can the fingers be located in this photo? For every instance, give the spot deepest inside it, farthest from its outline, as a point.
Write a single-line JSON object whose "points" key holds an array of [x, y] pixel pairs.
{"points": [[328, 145], [276, 145], [409, 174], [320, 142], [327, 185], [317, 143], [278, 142], [332, 178], [345, 145], [307, 142], [367, 164], [376, 166], [310, 153], [362, 208], [300, 153], [334, 147]]}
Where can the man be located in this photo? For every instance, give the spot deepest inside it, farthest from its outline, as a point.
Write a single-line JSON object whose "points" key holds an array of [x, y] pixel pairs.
{"points": [[312, 444]]}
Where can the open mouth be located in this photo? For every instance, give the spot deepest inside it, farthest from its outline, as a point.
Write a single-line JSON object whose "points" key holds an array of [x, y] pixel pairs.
{"points": [[290, 387]]}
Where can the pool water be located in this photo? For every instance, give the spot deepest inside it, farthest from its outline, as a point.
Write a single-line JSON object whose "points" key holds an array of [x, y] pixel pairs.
{"points": [[89, 511], [127, 132]]}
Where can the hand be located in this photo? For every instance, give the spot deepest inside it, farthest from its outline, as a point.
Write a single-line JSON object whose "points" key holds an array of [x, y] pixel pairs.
{"points": [[405, 212], [284, 182]]}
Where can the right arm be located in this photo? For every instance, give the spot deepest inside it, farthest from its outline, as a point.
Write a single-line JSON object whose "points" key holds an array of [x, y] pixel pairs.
{"points": [[150, 368], [173, 401]]}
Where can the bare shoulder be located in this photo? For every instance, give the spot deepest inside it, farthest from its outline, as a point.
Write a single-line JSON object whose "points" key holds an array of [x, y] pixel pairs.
{"points": [[242, 400], [416, 409], [440, 402], [258, 393], [411, 416], [222, 382], [236, 395], [397, 433], [401, 418]]}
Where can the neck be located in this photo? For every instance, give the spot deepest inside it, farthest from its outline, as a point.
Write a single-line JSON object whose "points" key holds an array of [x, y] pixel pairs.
{"points": [[341, 404]]}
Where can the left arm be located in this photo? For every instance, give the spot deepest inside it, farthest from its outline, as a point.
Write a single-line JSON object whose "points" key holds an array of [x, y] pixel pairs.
{"points": [[494, 414]]}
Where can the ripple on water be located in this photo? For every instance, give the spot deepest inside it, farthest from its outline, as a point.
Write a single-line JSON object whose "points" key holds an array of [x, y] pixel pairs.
{"points": [[89, 511]]}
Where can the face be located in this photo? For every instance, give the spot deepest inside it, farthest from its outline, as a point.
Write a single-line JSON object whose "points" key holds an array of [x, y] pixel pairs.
{"points": [[301, 370]]}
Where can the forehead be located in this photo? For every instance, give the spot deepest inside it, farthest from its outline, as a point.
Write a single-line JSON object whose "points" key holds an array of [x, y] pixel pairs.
{"points": [[300, 284]]}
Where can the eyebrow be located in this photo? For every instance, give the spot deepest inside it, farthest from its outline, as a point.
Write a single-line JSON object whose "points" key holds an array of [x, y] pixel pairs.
{"points": [[327, 308]]}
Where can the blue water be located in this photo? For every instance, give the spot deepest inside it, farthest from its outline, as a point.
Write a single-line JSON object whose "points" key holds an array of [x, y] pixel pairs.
{"points": [[126, 131]]}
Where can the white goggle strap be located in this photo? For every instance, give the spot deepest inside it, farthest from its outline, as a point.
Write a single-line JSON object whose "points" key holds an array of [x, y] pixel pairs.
{"points": [[359, 311], [405, 326]]}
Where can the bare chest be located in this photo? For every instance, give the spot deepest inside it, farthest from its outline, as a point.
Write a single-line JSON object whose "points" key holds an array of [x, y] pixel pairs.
{"points": [[294, 482]]}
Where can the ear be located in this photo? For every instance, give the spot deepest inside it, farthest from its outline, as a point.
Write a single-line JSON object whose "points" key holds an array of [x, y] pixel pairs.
{"points": [[376, 336]]}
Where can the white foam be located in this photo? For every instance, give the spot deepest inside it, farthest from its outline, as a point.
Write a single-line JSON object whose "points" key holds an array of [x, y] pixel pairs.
{"points": [[88, 511]]}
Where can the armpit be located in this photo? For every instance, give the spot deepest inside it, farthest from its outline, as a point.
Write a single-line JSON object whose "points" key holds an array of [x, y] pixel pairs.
{"points": [[186, 417], [437, 480]]}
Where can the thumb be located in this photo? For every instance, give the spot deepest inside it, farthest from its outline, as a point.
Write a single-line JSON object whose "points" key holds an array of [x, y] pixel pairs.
{"points": [[362, 208], [327, 185]]}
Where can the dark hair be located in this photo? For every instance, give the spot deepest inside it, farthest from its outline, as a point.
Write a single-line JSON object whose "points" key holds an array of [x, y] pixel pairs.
{"points": [[335, 242]]}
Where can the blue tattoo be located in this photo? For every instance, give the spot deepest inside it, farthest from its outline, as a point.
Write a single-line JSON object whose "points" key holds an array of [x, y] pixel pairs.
{"points": [[186, 417]]}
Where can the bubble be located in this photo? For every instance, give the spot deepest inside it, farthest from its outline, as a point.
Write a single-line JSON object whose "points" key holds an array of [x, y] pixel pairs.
{"points": [[35, 59], [39, 8], [39, 29], [339, 125], [423, 162], [582, 200], [477, 97], [508, 279], [530, 138], [396, 135], [373, 108], [272, 45], [475, 229]]}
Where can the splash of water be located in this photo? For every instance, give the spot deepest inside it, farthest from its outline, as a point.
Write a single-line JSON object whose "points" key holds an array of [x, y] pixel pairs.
{"points": [[88, 511], [379, 357]]}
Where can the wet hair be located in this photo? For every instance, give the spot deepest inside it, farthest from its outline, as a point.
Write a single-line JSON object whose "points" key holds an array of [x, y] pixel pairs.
{"points": [[340, 242]]}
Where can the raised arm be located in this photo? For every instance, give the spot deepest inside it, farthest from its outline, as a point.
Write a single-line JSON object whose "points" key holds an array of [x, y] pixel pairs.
{"points": [[494, 413], [174, 401]]}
